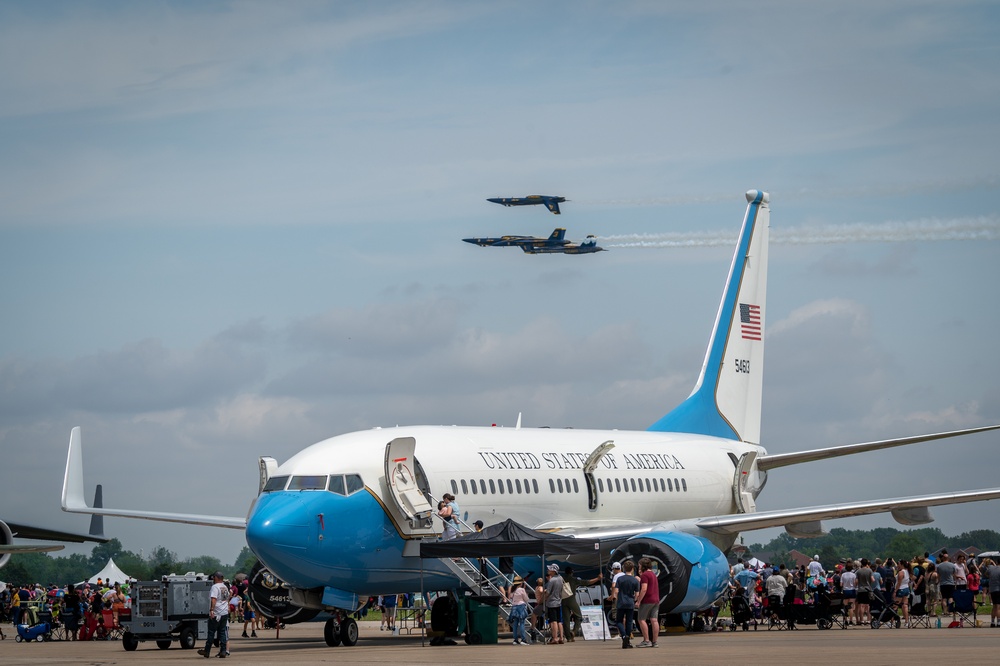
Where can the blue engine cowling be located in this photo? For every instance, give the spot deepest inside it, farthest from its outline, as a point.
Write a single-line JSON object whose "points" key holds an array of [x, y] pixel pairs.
{"points": [[691, 571]]}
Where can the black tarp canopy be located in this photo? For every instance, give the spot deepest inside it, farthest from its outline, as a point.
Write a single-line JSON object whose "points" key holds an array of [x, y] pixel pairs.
{"points": [[508, 539]]}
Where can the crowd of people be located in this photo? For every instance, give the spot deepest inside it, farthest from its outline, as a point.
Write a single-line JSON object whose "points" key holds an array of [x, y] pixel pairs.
{"points": [[925, 583], [92, 611], [79, 610]]}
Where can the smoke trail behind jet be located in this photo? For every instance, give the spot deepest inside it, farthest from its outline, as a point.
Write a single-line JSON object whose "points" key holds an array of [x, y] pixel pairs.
{"points": [[960, 229]]}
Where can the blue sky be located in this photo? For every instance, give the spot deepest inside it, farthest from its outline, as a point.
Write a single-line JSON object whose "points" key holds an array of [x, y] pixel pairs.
{"points": [[233, 229]]}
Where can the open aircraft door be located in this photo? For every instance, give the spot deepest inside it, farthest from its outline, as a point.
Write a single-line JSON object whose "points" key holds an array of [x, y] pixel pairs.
{"points": [[744, 483], [588, 472], [402, 478]]}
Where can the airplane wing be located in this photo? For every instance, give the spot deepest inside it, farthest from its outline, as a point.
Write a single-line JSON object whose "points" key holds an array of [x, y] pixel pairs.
{"points": [[767, 462], [73, 500], [45, 534], [20, 548], [800, 522], [805, 521]]}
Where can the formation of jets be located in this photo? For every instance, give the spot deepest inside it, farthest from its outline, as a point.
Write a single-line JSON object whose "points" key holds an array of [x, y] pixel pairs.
{"points": [[554, 244]]}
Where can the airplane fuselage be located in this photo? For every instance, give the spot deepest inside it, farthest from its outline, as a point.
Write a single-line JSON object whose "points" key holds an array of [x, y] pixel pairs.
{"points": [[506, 241], [356, 541], [550, 202]]}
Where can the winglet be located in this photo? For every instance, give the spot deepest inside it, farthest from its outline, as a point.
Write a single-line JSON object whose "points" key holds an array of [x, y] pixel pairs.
{"points": [[73, 500], [72, 491]]}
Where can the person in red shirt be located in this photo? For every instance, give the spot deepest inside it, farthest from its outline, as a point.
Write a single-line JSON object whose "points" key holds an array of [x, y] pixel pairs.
{"points": [[648, 601]]}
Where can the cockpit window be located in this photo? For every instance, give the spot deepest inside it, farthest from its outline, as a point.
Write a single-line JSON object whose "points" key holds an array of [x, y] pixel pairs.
{"points": [[275, 483], [308, 483], [354, 483], [337, 485]]}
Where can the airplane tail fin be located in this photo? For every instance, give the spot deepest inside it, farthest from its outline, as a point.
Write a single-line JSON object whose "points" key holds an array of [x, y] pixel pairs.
{"points": [[726, 401], [97, 520], [552, 205], [558, 235]]}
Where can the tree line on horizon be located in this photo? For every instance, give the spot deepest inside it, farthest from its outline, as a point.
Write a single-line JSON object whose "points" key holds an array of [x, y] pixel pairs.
{"points": [[46, 569], [838, 544], [881, 542]]}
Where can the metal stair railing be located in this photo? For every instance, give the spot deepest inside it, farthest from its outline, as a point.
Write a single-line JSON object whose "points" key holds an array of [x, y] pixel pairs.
{"points": [[467, 570]]}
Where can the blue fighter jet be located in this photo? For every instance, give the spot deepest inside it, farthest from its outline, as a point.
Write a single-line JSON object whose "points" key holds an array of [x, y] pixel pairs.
{"points": [[554, 244], [552, 203]]}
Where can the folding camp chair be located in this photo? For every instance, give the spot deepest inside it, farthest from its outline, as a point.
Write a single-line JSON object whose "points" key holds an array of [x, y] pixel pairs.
{"points": [[918, 614], [963, 604], [110, 630]]}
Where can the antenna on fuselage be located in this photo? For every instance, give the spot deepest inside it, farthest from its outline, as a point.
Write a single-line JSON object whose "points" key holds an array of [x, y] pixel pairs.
{"points": [[518, 426]]}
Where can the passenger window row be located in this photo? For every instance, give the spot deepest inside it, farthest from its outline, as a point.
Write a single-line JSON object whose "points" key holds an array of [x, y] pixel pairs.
{"points": [[625, 485], [616, 485], [512, 487], [338, 484]]}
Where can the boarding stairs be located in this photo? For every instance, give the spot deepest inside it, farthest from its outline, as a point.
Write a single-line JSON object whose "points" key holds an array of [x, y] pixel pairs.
{"points": [[468, 571]]}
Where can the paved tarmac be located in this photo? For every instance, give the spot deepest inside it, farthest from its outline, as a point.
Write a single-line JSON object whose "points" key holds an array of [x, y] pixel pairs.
{"points": [[303, 644]]}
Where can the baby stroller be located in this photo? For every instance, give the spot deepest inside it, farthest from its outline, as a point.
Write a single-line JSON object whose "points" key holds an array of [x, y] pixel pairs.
{"points": [[742, 613], [829, 609], [883, 613], [41, 631]]}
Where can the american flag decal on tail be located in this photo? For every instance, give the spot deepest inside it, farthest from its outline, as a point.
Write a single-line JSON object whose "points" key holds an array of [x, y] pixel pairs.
{"points": [[750, 321]]}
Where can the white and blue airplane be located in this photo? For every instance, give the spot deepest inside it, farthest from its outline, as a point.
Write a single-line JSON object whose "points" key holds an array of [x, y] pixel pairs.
{"points": [[344, 518]]}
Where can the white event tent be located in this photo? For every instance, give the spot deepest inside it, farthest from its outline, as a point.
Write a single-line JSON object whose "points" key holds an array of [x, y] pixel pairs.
{"points": [[109, 574]]}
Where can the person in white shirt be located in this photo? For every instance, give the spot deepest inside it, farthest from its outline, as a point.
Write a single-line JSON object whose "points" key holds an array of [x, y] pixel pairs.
{"points": [[815, 568], [776, 584], [849, 586], [218, 617]]}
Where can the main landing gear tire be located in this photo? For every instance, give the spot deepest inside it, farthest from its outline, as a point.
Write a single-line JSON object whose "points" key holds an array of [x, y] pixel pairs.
{"points": [[331, 632], [349, 632]]}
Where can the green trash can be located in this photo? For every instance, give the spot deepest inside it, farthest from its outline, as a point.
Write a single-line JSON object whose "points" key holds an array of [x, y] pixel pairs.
{"points": [[483, 615]]}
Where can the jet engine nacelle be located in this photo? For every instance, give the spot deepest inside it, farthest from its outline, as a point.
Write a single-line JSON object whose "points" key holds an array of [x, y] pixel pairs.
{"points": [[691, 570], [6, 539], [273, 600]]}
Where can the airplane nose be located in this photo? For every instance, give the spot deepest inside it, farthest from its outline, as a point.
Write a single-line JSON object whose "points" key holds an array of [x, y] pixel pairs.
{"points": [[277, 528]]}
